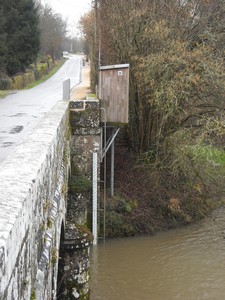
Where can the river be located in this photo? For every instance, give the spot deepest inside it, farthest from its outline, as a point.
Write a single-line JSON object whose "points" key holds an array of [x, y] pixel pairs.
{"points": [[184, 264]]}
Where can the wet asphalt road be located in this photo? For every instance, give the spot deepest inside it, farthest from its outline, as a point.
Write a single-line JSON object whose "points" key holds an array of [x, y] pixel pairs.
{"points": [[21, 111]]}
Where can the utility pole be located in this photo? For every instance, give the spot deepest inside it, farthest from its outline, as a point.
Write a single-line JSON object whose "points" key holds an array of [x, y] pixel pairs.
{"points": [[96, 58]]}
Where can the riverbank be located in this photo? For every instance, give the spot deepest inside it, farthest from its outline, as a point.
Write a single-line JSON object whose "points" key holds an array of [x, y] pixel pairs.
{"points": [[148, 201]]}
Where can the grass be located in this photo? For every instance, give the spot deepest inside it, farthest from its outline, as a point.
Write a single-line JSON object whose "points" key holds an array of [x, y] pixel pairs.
{"points": [[209, 153], [92, 96], [44, 78], [3, 94]]}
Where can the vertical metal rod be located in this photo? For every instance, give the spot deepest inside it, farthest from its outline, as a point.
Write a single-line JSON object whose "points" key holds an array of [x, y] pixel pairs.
{"points": [[105, 186], [95, 198], [112, 168], [101, 146]]}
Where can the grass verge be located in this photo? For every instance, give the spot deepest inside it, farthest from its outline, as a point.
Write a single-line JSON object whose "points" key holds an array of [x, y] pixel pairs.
{"points": [[44, 78], [4, 93]]}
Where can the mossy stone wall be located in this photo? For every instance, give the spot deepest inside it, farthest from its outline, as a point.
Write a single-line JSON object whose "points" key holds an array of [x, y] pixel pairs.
{"points": [[75, 262], [85, 140]]}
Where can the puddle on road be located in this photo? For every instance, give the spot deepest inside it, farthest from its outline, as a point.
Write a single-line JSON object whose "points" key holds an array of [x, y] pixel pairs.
{"points": [[18, 115], [16, 129], [6, 144]]}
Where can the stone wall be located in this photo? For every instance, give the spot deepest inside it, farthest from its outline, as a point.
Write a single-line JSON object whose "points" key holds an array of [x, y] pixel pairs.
{"points": [[33, 186], [45, 207], [85, 140]]}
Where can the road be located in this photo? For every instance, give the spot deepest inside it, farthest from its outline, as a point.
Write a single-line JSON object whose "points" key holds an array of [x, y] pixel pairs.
{"points": [[21, 111]]}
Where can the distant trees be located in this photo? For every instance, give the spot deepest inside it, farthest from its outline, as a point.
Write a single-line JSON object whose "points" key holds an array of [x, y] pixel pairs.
{"points": [[29, 29], [3, 47], [54, 35], [88, 26], [53, 30], [19, 44], [73, 44]]}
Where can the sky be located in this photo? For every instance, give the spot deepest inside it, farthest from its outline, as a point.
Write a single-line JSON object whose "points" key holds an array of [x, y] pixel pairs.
{"points": [[72, 10]]}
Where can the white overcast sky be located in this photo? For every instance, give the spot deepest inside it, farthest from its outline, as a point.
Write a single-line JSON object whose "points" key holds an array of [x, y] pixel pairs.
{"points": [[70, 9]]}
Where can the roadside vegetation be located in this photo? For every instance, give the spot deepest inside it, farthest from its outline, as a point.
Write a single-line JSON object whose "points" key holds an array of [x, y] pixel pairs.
{"points": [[3, 94], [176, 129], [56, 66]]}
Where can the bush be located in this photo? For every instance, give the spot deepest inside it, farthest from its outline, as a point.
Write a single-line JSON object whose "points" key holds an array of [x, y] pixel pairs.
{"points": [[5, 82], [28, 78], [50, 63], [37, 74], [17, 82], [40, 70], [153, 197]]}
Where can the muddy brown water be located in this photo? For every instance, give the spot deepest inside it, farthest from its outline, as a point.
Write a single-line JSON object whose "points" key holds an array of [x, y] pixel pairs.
{"points": [[184, 264]]}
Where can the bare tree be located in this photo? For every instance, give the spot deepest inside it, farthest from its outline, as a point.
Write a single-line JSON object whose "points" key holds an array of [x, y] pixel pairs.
{"points": [[53, 30], [73, 44], [89, 28], [175, 50]]}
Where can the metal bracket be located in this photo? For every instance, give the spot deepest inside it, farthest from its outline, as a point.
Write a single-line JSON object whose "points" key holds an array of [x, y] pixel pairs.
{"points": [[109, 142]]}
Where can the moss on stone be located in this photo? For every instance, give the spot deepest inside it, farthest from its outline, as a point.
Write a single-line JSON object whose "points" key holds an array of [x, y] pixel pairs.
{"points": [[118, 216], [33, 295], [49, 223], [89, 220], [79, 184], [85, 231], [54, 256], [84, 296]]}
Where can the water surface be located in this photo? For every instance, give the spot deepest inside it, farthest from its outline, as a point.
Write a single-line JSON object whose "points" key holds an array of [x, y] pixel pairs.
{"points": [[186, 264]]}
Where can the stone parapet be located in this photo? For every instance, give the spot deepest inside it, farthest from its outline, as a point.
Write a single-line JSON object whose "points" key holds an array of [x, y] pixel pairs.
{"points": [[33, 182], [85, 117]]}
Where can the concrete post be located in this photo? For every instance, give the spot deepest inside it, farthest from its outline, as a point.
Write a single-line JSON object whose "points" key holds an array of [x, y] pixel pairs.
{"points": [[66, 89]]}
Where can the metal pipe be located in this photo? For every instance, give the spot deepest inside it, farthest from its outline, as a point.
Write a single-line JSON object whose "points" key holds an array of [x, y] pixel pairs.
{"points": [[95, 198], [105, 186], [110, 141], [112, 168]]}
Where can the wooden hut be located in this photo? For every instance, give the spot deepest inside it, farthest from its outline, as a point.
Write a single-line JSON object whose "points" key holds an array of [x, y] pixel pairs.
{"points": [[114, 93]]}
